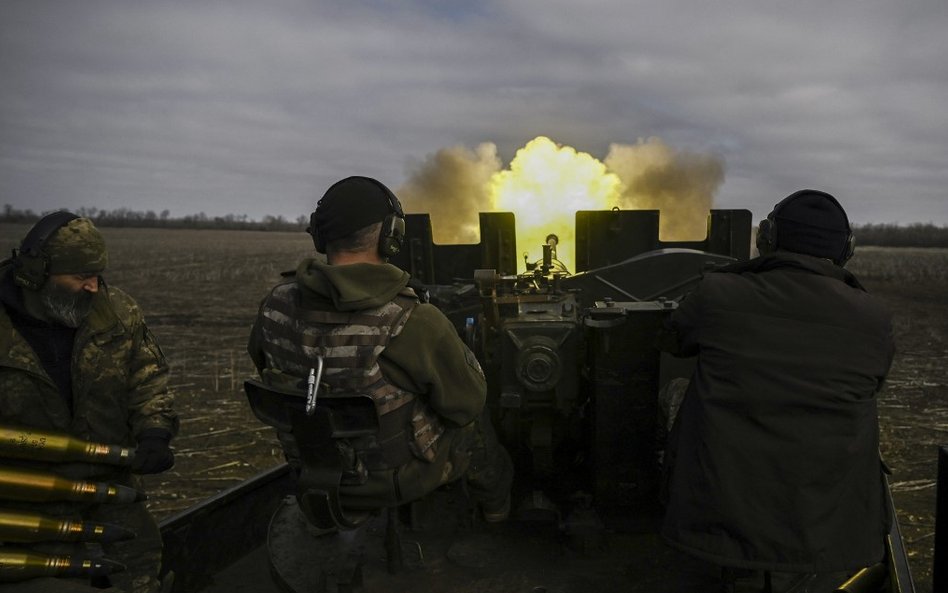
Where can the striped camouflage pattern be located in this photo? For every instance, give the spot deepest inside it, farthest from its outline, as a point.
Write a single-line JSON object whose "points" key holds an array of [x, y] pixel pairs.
{"points": [[350, 344]]}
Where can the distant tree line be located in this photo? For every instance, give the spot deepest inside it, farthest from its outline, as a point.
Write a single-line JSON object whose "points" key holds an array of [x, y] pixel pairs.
{"points": [[887, 235], [124, 217], [893, 235]]}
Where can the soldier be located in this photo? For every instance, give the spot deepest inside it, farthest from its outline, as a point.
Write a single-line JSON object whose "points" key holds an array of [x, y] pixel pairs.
{"points": [[775, 454], [376, 338], [76, 357]]}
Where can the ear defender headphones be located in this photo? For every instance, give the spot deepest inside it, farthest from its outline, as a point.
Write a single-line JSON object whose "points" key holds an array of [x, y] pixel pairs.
{"points": [[392, 234], [768, 235], [318, 243], [30, 262], [393, 227]]}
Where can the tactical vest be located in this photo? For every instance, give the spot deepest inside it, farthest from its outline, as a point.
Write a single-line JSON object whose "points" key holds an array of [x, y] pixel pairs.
{"points": [[350, 344]]}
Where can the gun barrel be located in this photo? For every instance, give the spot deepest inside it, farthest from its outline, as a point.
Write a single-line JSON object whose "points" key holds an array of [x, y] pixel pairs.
{"points": [[46, 445], [37, 486], [23, 527], [20, 565]]}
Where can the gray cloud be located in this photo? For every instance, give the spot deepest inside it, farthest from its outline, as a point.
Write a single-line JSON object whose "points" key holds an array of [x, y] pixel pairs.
{"points": [[256, 108]]}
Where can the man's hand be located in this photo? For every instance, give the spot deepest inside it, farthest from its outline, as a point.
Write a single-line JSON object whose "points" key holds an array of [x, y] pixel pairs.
{"points": [[153, 454]]}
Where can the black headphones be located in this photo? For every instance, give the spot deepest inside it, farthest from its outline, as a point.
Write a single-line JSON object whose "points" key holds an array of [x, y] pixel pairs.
{"points": [[392, 234], [30, 262], [767, 233]]}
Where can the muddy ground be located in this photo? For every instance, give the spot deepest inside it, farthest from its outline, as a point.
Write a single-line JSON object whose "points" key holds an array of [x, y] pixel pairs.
{"points": [[914, 416], [200, 290]]}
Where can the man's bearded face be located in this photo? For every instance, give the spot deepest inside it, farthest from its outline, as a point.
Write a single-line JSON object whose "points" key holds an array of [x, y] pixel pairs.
{"points": [[65, 305]]}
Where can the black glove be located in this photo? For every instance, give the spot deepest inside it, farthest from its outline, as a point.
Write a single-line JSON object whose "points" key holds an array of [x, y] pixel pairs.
{"points": [[153, 455]]}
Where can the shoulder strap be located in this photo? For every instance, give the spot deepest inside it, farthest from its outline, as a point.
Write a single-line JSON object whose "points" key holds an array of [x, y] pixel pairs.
{"points": [[33, 242]]}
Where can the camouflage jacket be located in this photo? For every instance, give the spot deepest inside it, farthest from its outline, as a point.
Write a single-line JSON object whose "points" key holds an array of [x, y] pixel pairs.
{"points": [[119, 377], [119, 389]]}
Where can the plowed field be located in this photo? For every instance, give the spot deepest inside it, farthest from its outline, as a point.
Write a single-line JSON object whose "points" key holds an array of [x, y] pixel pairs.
{"points": [[200, 291]]}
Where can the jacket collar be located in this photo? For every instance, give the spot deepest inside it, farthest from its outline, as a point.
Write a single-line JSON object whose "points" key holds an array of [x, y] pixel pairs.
{"points": [[793, 261], [101, 319]]}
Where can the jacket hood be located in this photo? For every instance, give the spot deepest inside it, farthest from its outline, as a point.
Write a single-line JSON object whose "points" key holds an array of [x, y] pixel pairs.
{"points": [[351, 287]]}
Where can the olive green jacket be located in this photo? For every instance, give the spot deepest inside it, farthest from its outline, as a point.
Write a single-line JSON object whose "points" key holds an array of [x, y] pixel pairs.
{"points": [[427, 358], [119, 377]]}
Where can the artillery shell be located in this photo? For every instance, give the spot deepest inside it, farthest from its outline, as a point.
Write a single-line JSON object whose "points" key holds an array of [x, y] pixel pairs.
{"points": [[47, 445], [24, 526], [20, 565], [37, 486]]}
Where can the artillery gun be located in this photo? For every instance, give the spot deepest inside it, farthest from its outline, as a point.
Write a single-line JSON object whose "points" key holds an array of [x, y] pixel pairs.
{"points": [[573, 380], [572, 371]]}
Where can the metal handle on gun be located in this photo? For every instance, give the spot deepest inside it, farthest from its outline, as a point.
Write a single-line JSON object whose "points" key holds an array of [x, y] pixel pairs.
{"points": [[312, 385]]}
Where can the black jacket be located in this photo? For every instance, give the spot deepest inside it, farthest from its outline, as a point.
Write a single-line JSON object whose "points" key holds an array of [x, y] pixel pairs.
{"points": [[776, 453]]}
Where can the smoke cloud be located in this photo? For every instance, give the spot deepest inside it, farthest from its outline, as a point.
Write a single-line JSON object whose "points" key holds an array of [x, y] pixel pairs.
{"points": [[453, 186], [680, 184]]}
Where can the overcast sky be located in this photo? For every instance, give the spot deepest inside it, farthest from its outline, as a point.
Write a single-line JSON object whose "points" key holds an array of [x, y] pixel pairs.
{"points": [[257, 107]]}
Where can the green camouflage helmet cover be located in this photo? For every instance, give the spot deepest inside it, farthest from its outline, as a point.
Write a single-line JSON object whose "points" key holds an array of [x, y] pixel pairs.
{"points": [[76, 248]]}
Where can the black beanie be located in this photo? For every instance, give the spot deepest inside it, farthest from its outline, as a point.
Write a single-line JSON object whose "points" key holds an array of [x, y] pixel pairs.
{"points": [[811, 222], [351, 204]]}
